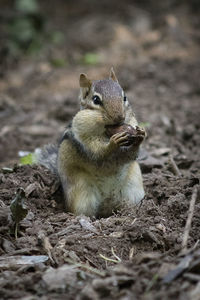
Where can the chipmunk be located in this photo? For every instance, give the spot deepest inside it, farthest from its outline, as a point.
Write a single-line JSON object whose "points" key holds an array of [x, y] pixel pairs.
{"points": [[99, 173]]}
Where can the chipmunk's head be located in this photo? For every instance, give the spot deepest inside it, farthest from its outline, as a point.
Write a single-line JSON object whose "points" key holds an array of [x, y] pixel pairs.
{"points": [[105, 96]]}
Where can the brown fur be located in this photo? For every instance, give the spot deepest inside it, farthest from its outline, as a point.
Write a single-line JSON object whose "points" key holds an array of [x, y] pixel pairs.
{"points": [[98, 174]]}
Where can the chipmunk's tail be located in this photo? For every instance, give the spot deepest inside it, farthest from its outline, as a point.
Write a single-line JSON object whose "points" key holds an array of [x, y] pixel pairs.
{"points": [[47, 156]]}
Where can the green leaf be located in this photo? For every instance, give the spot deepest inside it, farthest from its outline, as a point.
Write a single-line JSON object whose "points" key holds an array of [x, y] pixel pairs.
{"points": [[29, 159], [90, 58], [27, 6], [22, 30], [144, 124], [57, 37], [18, 208], [34, 47], [58, 62]]}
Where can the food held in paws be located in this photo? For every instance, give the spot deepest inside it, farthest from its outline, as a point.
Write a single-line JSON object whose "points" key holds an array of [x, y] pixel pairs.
{"points": [[135, 135]]}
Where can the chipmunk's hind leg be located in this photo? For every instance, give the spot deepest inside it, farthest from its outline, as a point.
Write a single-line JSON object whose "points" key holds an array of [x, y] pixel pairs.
{"points": [[83, 198], [133, 191]]}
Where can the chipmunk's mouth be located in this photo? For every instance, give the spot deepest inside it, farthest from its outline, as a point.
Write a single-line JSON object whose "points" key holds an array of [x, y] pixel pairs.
{"points": [[112, 125], [118, 120]]}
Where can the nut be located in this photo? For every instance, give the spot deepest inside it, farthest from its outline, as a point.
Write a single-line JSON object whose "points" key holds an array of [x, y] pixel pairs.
{"points": [[135, 135]]}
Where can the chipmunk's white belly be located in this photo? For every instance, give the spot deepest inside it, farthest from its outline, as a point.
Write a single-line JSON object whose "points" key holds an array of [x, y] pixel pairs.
{"points": [[110, 186], [121, 186]]}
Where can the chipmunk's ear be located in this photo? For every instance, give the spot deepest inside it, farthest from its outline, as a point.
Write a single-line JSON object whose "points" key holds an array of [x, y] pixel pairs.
{"points": [[85, 85], [112, 75], [84, 81]]}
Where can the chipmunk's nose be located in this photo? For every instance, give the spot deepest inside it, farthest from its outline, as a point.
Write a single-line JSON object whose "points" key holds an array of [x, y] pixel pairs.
{"points": [[119, 119]]}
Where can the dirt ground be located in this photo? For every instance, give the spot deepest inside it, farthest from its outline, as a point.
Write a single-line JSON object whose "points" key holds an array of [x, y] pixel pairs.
{"points": [[135, 254]]}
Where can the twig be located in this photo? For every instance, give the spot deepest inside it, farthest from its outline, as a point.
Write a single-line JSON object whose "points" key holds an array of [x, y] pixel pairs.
{"points": [[132, 252], [192, 277], [109, 259], [195, 245], [134, 220], [189, 219], [173, 166], [151, 283], [84, 266], [16, 230], [46, 244], [115, 255]]}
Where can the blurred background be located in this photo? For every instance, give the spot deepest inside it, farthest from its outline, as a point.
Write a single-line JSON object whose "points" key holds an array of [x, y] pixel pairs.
{"points": [[44, 45]]}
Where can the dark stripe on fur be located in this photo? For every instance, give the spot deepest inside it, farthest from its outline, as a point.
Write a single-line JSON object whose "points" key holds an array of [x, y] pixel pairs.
{"points": [[68, 135], [126, 157]]}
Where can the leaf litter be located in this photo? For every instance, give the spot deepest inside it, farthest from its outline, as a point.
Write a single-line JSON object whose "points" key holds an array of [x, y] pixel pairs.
{"points": [[146, 244]]}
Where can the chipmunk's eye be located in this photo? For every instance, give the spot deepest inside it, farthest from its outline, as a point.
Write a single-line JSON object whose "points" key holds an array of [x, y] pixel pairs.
{"points": [[125, 98], [96, 100]]}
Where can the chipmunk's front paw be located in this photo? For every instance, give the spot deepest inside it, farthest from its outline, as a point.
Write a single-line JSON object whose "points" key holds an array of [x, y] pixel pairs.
{"points": [[119, 139], [125, 135], [137, 136]]}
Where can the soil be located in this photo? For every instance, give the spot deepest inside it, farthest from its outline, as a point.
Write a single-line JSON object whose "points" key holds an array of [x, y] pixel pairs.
{"points": [[135, 254]]}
